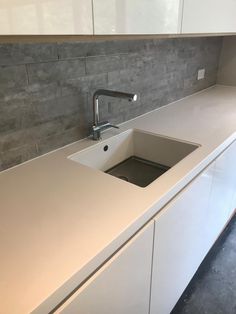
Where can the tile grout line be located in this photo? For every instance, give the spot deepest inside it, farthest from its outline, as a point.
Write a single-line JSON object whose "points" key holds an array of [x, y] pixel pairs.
{"points": [[27, 74]]}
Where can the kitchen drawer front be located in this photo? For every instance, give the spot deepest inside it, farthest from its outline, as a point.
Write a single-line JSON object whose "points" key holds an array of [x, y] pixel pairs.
{"points": [[122, 285]]}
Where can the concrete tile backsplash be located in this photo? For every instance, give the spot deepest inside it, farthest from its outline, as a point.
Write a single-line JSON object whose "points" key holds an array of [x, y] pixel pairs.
{"points": [[46, 89]]}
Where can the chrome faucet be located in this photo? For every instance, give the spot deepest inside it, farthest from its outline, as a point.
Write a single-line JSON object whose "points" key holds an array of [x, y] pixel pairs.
{"points": [[98, 126]]}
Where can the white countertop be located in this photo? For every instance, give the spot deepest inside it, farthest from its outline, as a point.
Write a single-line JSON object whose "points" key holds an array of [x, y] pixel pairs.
{"points": [[60, 220]]}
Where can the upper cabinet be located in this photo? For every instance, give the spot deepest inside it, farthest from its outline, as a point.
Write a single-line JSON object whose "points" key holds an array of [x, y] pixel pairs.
{"points": [[137, 16], [209, 16], [116, 17], [39, 17]]}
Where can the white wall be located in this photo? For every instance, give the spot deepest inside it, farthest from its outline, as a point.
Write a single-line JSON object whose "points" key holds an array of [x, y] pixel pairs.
{"points": [[227, 65]]}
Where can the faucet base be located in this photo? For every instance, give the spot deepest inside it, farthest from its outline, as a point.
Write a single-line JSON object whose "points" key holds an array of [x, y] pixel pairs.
{"points": [[101, 126]]}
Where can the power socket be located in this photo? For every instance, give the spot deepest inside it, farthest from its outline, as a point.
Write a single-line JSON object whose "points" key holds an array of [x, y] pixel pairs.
{"points": [[201, 74]]}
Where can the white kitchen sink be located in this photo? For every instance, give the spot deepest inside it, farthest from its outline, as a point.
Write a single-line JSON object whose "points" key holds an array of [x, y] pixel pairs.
{"points": [[135, 156]]}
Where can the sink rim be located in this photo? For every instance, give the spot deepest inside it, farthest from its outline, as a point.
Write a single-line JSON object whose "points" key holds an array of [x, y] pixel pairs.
{"points": [[101, 142], [98, 145]]}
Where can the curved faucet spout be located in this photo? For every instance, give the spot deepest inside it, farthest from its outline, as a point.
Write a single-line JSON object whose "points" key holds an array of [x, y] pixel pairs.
{"points": [[97, 125], [115, 94]]}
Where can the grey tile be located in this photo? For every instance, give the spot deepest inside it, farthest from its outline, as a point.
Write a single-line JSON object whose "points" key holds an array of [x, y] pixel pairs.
{"points": [[11, 54], [84, 84], [39, 112], [31, 92], [141, 76], [13, 76], [56, 71], [41, 91], [148, 62], [47, 101], [15, 139], [11, 114], [69, 50], [10, 159], [104, 64], [17, 155], [56, 141], [33, 134], [101, 48]]}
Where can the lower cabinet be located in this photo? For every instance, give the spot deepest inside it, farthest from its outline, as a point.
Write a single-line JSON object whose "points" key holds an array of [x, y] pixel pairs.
{"points": [[222, 198], [122, 285], [180, 242], [188, 226], [169, 249]]}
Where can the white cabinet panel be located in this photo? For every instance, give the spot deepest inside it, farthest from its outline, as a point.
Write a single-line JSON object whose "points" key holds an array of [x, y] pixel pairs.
{"points": [[209, 16], [45, 17], [180, 243], [122, 285], [222, 198], [137, 16]]}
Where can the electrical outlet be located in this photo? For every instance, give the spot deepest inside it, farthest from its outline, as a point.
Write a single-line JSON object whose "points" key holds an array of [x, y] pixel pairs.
{"points": [[201, 74]]}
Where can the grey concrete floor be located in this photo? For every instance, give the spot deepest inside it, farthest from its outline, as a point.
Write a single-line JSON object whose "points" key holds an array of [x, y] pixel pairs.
{"points": [[213, 288]]}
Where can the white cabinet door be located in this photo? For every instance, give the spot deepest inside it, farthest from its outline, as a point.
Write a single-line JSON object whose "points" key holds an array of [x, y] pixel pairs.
{"points": [[31, 17], [137, 16], [222, 198], [209, 16], [122, 285], [180, 243]]}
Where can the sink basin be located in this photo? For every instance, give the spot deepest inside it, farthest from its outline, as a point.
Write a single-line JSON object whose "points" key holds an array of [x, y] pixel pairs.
{"points": [[135, 156]]}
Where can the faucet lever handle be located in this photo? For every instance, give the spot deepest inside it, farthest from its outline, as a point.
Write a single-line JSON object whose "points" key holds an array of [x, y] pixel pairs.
{"points": [[113, 126], [106, 125], [97, 129]]}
